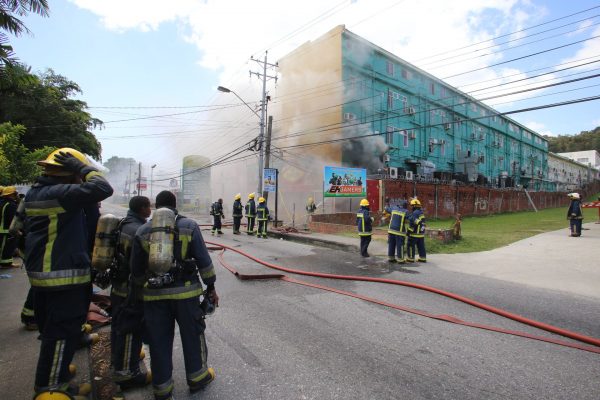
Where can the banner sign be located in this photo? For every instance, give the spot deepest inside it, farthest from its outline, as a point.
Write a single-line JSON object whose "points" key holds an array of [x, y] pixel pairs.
{"points": [[344, 182], [270, 179]]}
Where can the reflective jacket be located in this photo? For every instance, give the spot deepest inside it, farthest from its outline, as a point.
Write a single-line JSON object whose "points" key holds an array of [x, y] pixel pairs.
{"points": [[191, 258], [238, 209], [216, 209], [417, 224], [262, 212], [398, 221], [364, 222], [56, 245], [575, 211], [8, 209], [128, 227], [251, 208]]}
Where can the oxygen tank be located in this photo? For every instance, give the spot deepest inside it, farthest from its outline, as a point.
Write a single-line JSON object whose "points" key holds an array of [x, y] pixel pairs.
{"points": [[16, 226], [105, 242], [160, 254]]}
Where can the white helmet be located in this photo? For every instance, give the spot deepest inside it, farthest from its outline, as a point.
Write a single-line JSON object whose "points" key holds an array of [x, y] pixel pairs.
{"points": [[575, 196]]}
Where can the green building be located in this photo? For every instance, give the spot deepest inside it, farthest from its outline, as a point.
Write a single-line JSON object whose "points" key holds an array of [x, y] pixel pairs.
{"points": [[414, 125]]}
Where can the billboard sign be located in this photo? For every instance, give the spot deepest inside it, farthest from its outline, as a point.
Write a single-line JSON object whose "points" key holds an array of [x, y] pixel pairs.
{"points": [[344, 182], [270, 179]]}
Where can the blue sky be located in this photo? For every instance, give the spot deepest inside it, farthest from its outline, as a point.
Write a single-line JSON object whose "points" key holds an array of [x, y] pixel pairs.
{"points": [[174, 54]]}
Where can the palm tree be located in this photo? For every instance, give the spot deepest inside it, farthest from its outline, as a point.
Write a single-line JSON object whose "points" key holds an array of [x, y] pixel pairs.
{"points": [[10, 10]]}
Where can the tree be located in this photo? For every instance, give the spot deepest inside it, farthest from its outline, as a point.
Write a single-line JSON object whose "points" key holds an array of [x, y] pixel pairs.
{"points": [[17, 164], [586, 140], [9, 10], [44, 105]]}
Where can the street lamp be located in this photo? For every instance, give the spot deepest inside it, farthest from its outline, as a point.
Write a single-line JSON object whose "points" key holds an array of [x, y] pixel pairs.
{"points": [[260, 136], [151, 180]]}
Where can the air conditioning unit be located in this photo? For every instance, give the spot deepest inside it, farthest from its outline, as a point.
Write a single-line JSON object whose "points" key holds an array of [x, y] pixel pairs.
{"points": [[393, 172], [447, 126], [434, 141], [386, 158], [349, 117], [442, 141], [412, 135], [409, 176], [481, 137], [481, 159], [411, 111]]}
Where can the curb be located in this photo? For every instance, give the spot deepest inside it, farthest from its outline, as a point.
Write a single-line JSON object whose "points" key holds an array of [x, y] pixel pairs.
{"points": [[314, 241]]}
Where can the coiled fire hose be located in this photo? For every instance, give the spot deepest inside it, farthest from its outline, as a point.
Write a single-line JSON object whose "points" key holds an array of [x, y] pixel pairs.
{"points": [[595, 348]]}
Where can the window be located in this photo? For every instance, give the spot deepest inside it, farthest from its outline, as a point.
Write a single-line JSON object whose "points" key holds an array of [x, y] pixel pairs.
{"points": [[443, 149], [390, 100], [389, 66], [349, 117], [404, 135], [406, 74], [389, 135], [432, 88], [444, 92], [431, 146]]}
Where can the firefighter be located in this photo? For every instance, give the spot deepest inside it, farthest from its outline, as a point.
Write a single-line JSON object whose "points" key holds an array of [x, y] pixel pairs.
{"points": [[238, 213], [397, 233], [58, 262], [575, 214], [311, 207], [416, 233], [8, 242], [262, 216], [250, 214], [126, 332], [364, 221], [216, 210], [171, 291]]}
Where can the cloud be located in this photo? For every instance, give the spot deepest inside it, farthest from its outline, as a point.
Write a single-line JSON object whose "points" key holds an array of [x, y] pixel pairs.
{"points": [[588, 49], [227, 32], [539, 128]]}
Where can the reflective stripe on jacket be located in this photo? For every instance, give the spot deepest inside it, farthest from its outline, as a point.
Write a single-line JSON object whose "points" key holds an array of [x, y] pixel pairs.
{"points": [[364, 222], [262, 212], [251, 208], [56, 242], [191, 251], [417, 224], [238, 209], [397, 224]]}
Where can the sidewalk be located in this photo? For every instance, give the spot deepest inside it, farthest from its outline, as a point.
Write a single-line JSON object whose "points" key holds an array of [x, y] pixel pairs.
{"points": [[551, 260]]}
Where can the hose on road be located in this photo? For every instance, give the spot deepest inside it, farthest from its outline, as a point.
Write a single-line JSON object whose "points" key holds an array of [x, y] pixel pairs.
{"points": [[515, 317]]}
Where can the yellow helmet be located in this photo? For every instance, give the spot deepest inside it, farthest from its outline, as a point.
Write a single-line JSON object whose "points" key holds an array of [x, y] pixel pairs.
{"points": [[250, 196], [52, 167], [364, 203], [8, 190], [238, 196], [52, 396], [261, 199], [415, 202]]}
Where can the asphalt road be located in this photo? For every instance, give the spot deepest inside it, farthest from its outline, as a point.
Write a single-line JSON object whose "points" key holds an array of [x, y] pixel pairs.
{"points": [[278, 340]]}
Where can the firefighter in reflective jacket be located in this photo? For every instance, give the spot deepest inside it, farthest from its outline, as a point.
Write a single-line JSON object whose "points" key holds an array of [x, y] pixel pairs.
{"points": [[238, 213], [364, 222], [126, 338], [575, 214], [250, 214], [262, 216], [216, 210], [397, 233], [173, 294], [58, 261], [416, 233], [8, 210]]}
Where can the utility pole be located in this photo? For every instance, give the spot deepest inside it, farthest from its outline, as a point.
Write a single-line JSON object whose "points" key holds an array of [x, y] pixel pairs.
{"points": [[129, 182], [139, 185], [262, 75], [268, 150]]}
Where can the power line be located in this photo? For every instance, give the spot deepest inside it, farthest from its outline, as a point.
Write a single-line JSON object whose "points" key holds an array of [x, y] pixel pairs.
{"points": [[511, 33]]}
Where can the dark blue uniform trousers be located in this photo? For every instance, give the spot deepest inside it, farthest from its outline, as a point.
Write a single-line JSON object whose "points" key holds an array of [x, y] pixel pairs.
{"points": [[125, 346], [160, 317], [60, 315], [576, 226], [395, 245], [416, 243]]}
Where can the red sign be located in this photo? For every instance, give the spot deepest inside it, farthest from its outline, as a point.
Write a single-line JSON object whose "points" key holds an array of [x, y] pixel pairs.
{"points": [[593, 204], [141, 186]]}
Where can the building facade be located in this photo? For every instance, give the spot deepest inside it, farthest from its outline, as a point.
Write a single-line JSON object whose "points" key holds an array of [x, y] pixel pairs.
{"points": [[399, 121], [567, 174]]}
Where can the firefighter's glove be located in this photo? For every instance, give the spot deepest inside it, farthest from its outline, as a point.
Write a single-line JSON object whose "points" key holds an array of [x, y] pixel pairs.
{"points": [[212, 294], [70, 163]]}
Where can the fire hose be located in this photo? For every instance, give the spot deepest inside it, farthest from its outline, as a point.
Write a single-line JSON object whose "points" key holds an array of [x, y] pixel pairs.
{"points": [[595, 348]]}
